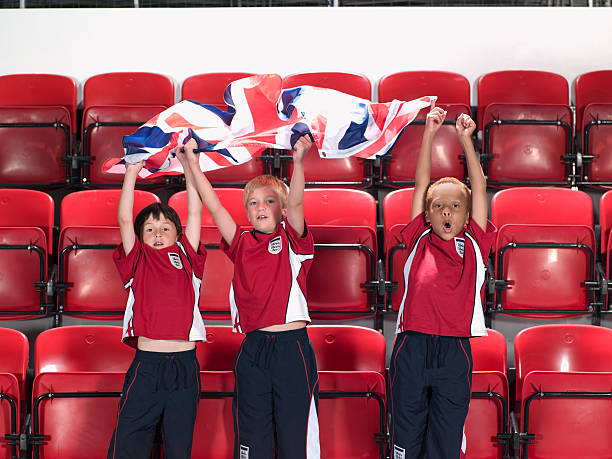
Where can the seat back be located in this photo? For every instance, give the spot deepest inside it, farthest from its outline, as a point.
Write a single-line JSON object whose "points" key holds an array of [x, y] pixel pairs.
{"points": [[591, 88], [336, 280], [219, 269], [38, 118], [453, 91], [220, 349], [350, 171], [351, 361], [86, 270], [115, 105], [488, 412], [396, 215]]}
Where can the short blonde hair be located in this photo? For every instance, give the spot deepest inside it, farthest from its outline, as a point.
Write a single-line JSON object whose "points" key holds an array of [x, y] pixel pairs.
{"points": [[454, 181], [281, 189]]}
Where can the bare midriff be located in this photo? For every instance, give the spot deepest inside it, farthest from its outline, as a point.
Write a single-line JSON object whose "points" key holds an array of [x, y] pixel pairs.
{"points": [[285, 327], [164, 345]]}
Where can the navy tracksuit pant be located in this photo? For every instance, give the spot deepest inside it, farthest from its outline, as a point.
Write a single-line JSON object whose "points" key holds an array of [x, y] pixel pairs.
{"points": [[158, 387], [276, 397], [430, 380]]}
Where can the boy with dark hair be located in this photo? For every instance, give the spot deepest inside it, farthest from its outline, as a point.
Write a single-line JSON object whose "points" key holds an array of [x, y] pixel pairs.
{"points": [[161, 268], [448, 240]]}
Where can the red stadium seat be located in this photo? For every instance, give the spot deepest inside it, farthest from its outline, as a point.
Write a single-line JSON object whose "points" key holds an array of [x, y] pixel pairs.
{"points": [[115, 105], [396, 215], [214, 430], [544, 257], [489, 406], [79, 372], [208, 88], [527, 128], [26, 240], [453, 91], [563, 380], [218, 270], [351, 365], [37, 122], [343, 224], [13, 367], [89, 283], [594, 121], [349, 171]]}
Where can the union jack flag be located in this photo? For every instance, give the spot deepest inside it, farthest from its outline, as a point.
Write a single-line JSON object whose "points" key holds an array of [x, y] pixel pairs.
{"points": [[261, 114]]}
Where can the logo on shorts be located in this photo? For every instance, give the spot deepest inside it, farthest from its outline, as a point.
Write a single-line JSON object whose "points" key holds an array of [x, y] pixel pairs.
{"points": [[275, 245], [460, 246], [175, 260], [399, 453], [244, 452]]}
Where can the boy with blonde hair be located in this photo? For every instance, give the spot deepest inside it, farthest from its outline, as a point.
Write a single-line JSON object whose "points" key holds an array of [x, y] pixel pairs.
{"points": [[448, 240], [276, 391]]}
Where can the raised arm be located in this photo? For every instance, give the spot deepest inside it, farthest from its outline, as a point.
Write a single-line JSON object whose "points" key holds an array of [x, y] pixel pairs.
{"points": [[295, 201], [465, 128], [125, 211], [422, 177], [194, 204], [221, 217]]}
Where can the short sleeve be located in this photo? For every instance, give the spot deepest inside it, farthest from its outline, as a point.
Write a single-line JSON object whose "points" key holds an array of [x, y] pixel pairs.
{"points": [[230, 250], [197, 259], [301, 245], [484, 239], [126, 264], [413, 230]]}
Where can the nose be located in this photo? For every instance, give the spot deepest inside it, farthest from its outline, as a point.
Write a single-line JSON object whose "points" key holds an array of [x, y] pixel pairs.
{"points": [[446, 212]]}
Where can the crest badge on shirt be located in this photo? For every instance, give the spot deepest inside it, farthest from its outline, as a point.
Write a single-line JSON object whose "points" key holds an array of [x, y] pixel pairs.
{"points": [[275, 245], [175, 260], [399, 453], [460, 246]]}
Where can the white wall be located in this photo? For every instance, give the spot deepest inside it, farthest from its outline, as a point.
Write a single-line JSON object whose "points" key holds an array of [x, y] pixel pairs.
{"points": [[371, 41]]}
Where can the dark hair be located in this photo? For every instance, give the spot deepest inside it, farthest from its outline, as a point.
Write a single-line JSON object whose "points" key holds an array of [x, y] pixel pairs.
{"points": [[155, 210]]}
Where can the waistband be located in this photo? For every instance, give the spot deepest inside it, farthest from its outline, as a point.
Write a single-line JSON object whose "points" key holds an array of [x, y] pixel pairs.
{"points": [[280, 335], [432, 336], [150, 355]]}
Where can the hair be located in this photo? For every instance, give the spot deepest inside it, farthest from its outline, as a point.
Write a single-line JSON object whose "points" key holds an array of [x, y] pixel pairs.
{"points": [[155, 210], [454, 181], [281, 189]]}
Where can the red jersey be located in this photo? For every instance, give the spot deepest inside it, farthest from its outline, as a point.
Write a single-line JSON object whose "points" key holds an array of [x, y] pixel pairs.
{"points": [[269, 284], [164, 290], [443, 280]]}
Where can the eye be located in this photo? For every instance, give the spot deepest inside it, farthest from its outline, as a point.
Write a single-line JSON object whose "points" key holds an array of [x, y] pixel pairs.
{"points": [[437, 206], [252, 203], [456, 205], [270, 201], [149, 230], [166, 229]]}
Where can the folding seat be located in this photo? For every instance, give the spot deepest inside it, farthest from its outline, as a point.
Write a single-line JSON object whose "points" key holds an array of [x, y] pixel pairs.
{"points": [[351, 171], [351, 365], [26, 240], [208, 88], [13, 367], [527, 128], [214, 430], [78, 379], [489, 406], [396, 215], [343, 276], [453, 91], [218, 269], [605, 221], [544, 252], [115, 105], [563, 381], [37, 123], [89, 284], [594, 121]]}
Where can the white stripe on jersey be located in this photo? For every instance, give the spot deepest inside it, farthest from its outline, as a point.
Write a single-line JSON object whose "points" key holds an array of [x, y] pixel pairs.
{"points": [[128, 315], [477, 327], [197, 332], [407, 266], [236, 328], [297, 306]]}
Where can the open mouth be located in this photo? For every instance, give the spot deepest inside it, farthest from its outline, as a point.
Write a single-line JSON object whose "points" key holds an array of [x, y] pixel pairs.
{"points": [[158, 244], [261, 217], [447, 227]]}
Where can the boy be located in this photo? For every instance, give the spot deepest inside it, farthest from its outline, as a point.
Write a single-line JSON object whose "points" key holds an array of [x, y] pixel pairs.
{"points": [[162, 269], [276, 392], [448, 241]]}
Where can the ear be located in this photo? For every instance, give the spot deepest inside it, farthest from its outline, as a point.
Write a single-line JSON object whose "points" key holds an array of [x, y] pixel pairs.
{"points": [[467, 219], [284, 213], [427, 216]]}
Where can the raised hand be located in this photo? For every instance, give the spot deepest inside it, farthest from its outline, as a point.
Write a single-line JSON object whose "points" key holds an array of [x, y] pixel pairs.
{"points": [[465, 127], [301, 147], [435, 118], [134, 168]]}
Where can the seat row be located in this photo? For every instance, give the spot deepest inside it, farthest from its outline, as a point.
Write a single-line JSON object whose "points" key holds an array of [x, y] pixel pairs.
{"points": [[562, 372], [529, 134], [544, 260]]}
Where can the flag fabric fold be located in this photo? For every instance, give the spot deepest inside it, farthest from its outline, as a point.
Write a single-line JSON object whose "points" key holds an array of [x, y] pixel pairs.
{"points": [[262, 114]]}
